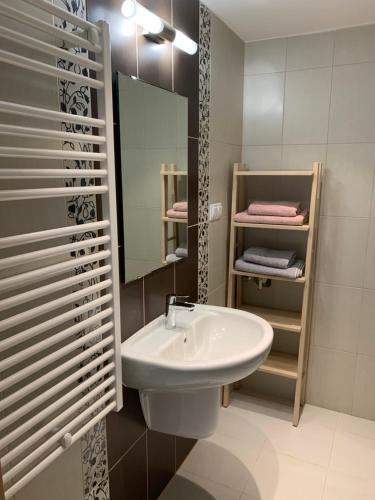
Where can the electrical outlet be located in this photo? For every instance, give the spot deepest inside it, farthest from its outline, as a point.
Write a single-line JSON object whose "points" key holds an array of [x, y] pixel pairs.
{"points": [[216, 211]]}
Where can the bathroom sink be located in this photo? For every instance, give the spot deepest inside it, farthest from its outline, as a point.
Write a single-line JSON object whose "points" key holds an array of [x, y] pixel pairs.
{"points": [[179, 372]]}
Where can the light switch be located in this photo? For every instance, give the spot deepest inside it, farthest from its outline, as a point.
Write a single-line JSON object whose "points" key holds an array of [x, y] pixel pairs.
{"points": [[216, 211]]}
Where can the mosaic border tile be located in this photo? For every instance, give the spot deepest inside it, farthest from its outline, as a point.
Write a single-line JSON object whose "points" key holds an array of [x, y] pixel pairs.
{"points": [[204, 149]]}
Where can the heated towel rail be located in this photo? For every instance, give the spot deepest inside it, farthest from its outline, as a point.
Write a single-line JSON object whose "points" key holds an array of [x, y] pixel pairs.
{"points": [[60, 366]]}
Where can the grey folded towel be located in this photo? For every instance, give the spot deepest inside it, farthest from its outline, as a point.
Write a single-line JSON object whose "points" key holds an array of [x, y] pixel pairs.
{"points": [[172, 258], [181, 252], [282, 259], [293, 272]]}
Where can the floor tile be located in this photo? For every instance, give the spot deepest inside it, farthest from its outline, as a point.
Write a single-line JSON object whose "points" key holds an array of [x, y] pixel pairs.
{"points": [[341, 486], [353, 455], [217, 464], [281, 477], [185, 486], [311, 441], [355, 425], [246, 450]]}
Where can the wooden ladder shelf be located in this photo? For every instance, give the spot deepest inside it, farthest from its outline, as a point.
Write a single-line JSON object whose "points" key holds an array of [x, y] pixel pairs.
{"points": [[289, 366]]}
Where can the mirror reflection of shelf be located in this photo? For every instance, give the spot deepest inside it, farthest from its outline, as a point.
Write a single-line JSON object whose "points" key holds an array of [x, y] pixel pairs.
{"points": [[169, 171]]}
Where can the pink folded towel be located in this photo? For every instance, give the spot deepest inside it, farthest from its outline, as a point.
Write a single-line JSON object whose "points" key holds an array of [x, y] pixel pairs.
{"points": [[175, 214], [180, 206], [298, 220], [278, 208]]}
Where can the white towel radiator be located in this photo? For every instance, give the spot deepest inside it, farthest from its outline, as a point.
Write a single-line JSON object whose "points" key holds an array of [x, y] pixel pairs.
{"points": [[58, 376]]}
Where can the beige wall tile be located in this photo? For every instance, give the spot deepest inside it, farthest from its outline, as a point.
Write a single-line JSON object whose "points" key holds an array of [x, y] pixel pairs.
{"points": [[218, 296], [336, 316], [342, 250], [227, 61], [366, 343], [218, 254], [302, 157], [266, 56], [262, 157], [222, 158], [353, 104], [364, 401], [348, 180], [263, 109], [307, 96], [369, 280], [331, 379], [355, 45], [310, 51]]}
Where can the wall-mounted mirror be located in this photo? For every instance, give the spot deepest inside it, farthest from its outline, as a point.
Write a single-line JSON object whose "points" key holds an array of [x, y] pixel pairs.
{"points": [[152, 141]]}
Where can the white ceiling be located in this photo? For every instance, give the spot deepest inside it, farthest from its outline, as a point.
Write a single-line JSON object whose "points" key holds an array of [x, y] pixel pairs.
{"points": [[261, 19]]}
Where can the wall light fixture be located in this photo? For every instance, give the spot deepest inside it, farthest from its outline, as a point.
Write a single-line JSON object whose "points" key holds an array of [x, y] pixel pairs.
{"points": [[156, 29]]}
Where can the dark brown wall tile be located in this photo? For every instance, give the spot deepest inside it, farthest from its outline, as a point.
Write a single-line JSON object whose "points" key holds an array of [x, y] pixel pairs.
{"points": [[183, 448], [131, 303], [128, 479], [157, 285], [184, 284], [186, 17], [124, 427], [193, 181], [155, 61], [161, 462], [123, 48], [186, 83]]}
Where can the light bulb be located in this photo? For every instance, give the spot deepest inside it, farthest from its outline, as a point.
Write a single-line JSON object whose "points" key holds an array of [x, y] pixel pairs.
{"points": [[143, 17], [185, 43]]}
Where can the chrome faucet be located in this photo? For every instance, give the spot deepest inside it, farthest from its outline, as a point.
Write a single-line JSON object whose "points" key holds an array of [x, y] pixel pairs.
{"points": [[172, 304]]}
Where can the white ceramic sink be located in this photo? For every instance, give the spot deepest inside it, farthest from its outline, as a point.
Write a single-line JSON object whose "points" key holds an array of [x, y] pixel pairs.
{"points": [[179, 372]]}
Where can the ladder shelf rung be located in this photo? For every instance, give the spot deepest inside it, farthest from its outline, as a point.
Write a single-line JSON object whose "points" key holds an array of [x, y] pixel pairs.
{"points": [[281, 364], [278, 318], [304, 227], [268, 277], [275, 173]]}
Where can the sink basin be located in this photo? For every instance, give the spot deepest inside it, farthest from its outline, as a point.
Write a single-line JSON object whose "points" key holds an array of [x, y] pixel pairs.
{"points": [[179, 372]]}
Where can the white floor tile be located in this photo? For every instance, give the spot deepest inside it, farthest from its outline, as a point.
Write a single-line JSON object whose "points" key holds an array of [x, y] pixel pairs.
{"points": [[353, 454], [256, 454], [246, 450], [355, 425], [281, 477], [341, 486], [311, 441], [185, 486], [218, 464]]}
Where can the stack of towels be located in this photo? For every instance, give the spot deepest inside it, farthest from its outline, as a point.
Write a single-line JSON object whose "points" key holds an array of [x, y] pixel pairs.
{"points": [[260, 260], [178, 254], [274, 212], [178, 211]]}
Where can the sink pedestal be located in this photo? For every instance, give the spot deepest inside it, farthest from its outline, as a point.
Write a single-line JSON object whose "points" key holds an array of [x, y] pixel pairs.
{"points": [[191, 413]]}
